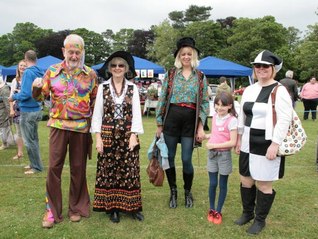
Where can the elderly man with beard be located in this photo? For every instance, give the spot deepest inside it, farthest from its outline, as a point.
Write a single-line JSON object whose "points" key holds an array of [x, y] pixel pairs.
{"points": [[72, 87]]}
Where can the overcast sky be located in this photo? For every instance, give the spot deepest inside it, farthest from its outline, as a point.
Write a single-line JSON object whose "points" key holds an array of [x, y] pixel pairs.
{"points": [[99, 15]]}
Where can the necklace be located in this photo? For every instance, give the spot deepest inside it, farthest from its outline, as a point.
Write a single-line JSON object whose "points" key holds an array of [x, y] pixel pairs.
{"points": [[121, 90]]}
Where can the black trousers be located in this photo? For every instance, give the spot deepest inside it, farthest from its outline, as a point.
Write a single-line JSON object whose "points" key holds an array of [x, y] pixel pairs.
{"points": [[310, 105]]}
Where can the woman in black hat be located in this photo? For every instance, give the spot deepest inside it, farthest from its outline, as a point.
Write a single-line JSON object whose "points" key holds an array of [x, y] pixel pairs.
{"points": [[259, 140], [117, 122], [181, 113]]}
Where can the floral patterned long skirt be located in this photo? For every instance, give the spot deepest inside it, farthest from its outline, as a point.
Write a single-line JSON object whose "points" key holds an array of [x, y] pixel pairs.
{"points": [[117, 186]]}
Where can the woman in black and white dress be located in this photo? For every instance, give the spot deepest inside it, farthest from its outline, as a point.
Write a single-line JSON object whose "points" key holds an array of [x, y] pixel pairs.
{"points": [[259, 140]]}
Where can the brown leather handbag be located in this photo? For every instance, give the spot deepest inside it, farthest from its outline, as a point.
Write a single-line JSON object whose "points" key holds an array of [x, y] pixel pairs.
{"points": [[155, 172]]}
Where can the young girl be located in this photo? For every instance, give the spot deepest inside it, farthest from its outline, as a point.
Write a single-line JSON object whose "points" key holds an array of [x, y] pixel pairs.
{"points": [[222, 138]]}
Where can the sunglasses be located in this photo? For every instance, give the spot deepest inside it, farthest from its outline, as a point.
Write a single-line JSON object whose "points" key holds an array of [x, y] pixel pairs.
{"points": [[117, 65], [262, 65]]}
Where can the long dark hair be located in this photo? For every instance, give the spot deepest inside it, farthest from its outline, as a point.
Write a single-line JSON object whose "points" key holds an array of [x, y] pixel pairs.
{"points": [[226, 99]]}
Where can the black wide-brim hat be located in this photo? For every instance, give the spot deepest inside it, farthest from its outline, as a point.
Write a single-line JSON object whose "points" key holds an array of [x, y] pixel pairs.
{"points": [[103, 71], [185, 42], [268, 58]]}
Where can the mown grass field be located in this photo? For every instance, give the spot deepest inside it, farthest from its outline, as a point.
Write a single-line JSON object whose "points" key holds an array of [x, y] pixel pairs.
{"points": [[294, 213]]}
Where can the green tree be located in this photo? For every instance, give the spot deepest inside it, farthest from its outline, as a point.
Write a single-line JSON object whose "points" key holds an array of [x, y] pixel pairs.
{"points": [[21, 48], [23, 38], [226, 22], [250, 36], [29, 32], [194, 13], [122, 38], [6, 50], [209, 37], [177, 18], [138, 44], [52, 44], [108, 37], [164, 44], [95, 46], [288, 52], [308, 54], [293, 37]]}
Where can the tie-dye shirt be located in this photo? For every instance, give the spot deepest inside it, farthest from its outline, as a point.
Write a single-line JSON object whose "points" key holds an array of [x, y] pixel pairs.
{"points": [[72, 97]]}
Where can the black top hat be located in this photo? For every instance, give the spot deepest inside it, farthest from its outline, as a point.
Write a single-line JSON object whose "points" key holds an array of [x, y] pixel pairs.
{"points": [[268, 58], [185, 42], [124, 55]]}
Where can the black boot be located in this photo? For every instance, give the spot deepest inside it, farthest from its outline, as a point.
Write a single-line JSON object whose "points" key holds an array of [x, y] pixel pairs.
{"points": [[248, 196], [173, 198], [114, 217], [171, 176], [138, 216], [188, 199], [263, 205]]}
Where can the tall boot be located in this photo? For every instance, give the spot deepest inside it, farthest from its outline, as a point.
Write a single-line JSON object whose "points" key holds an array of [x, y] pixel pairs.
{"points": [[263, 205], [248, 196], [188, 179], [171, 176]]}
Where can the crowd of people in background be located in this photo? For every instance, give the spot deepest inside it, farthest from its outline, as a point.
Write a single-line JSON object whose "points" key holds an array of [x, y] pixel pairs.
{"points": [[81, 104]]}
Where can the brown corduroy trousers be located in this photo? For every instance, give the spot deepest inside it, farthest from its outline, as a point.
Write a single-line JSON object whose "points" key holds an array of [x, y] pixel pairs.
{"points": [[77, 144]]}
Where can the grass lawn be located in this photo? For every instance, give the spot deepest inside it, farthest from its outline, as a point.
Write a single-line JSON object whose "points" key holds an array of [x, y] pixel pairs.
{"points": [[294, 213]]}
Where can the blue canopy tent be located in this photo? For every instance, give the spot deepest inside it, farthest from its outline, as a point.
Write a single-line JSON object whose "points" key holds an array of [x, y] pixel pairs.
{"points": [[1, 67], [216, 67], [140, 64], [8, 71], [43, 63]]}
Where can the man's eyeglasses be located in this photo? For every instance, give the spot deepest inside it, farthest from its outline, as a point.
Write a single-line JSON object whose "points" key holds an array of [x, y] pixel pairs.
{"points": [[117, 65], [262, 65]]}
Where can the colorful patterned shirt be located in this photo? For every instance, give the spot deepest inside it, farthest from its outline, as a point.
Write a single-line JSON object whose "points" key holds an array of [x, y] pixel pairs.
{"points": [[72, 97], [184, 91]]}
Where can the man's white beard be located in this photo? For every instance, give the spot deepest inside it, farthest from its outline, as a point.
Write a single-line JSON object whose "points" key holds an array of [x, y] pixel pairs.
{"points": [[73, 65]]}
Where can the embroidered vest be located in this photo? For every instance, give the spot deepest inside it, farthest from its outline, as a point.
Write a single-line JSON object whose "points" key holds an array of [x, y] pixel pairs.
{"points": [[109, 122]]}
